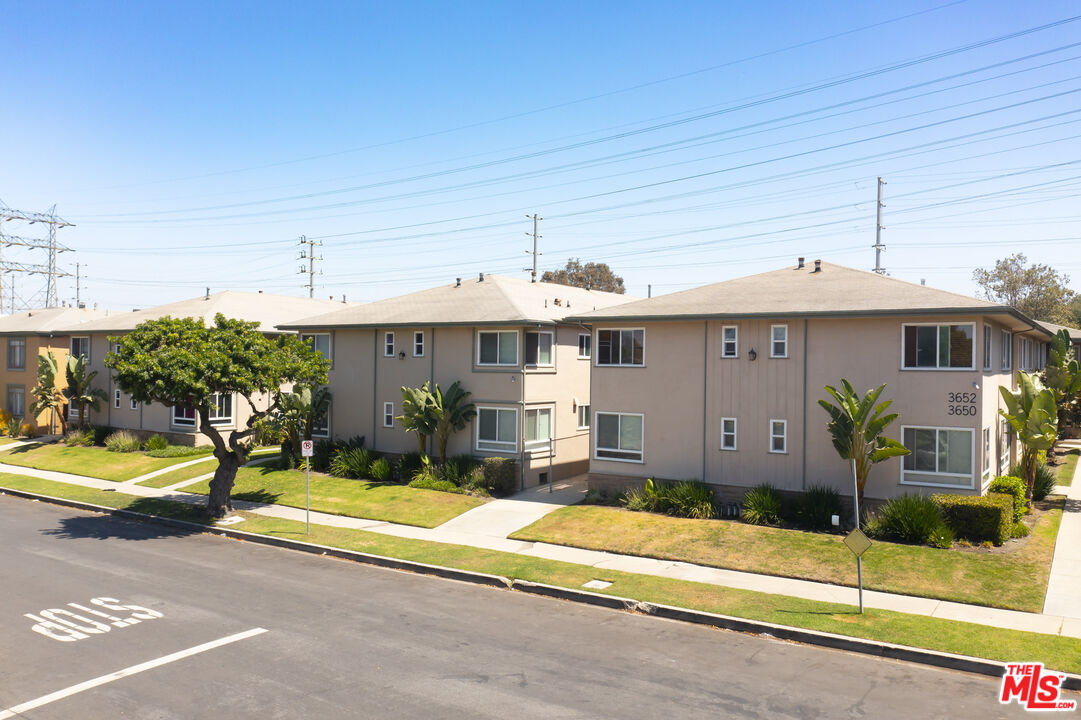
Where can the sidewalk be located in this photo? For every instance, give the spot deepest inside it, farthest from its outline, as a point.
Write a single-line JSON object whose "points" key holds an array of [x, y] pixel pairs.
{"points": [[536, 503], [1064, 584]]}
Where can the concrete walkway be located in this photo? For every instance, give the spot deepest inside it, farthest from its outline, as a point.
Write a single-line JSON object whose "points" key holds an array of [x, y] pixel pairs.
{"points": [[466, 533], [1064, 584], [189, 463]]}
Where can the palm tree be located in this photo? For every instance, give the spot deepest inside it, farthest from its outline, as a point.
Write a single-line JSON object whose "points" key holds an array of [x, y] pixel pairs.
{"points": [[80, 391], [417, 414], [450, 411], [1033, 416], [46, 395], [856, 425]]}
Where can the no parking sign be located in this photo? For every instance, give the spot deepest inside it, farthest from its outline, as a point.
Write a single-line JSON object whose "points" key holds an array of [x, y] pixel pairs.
{"points": [[306, 448]]}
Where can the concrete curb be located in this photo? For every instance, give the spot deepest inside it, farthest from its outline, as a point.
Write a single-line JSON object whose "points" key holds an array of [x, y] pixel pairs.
{"points": [[962, 663]]}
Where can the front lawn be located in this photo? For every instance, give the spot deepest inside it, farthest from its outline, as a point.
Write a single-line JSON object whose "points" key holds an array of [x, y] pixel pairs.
{"points": [[1016, 579], [96, 462], [1067, 466], [356, 498], [1057, 652], [189, 472]]}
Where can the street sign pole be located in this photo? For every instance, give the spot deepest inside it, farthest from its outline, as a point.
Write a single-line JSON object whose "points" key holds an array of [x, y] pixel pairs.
{"points": [[307, 448], [856, 505]]}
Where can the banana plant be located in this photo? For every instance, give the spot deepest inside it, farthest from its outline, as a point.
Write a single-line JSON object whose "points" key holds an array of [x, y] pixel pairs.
{"points": [[1062, 376], [856, 426], [417, 414], [1033, 415]]}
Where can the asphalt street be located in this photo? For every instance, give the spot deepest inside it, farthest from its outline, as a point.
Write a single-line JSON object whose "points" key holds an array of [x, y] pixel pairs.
{"points": [[344, 640]]}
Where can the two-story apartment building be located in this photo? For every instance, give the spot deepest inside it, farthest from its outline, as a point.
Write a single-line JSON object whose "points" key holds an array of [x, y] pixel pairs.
{"points": [[26, 335], [720, 383], [504, 339], [180, 423]]}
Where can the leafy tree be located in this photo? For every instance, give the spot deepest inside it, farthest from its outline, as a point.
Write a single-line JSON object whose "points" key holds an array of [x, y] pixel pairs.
{"points": [[591, 276], [856, 425], [450, 412], [1038, 291], [1033, 416], [80, 391], [1073, 316], [181, 361], [1062, 376], [46, 395], [298, 412], [417, 415]]}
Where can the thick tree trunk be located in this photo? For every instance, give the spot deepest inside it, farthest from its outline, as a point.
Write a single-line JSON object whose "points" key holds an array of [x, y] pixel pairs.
{"points": [[218, 502]]}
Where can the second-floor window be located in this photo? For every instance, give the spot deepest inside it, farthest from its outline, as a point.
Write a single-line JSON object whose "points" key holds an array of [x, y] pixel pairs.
{"points": [[497, 429], [1007, 350], [80, 345], [538, 349], [778, 337], [418, 343], [938, 346], [730, 341], [621, 347], [388, 344], [320, 342], [497, 347], [986, 347], [16, 353], [585, 346]]}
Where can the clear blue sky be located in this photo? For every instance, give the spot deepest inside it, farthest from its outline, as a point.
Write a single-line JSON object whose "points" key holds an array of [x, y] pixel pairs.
{"points": [[682, 143]]}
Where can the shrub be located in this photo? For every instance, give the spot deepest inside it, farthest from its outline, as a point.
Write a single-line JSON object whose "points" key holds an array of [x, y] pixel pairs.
{"points": [[122, 441], [689, 499], [14, 424], [181, 451], [379, 470], [156, 442], [1045, 482], [603, 497], [911, 519], [816, 507], [500, 475], [762, 505], [941, 537], [28, 430], [79, 438], [976, 517], [459, 468], [100, 433], [432, 484], [1019, 530], [351, 463], [406, 466], [1015, 488], [322, 455]]}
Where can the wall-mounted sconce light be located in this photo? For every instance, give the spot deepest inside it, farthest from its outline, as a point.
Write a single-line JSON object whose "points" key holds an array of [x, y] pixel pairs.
{"points": [[752, 354], [401, 354]]}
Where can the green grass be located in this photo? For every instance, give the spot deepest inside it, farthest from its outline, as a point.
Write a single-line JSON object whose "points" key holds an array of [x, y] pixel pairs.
{"points": [[1059, 653], [1015, 580], [356, 498], [208, 465], [96, 462], [1068, 467]]}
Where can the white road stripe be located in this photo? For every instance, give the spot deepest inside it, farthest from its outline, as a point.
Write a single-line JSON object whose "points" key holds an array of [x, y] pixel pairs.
{"points": [[60, 694]]}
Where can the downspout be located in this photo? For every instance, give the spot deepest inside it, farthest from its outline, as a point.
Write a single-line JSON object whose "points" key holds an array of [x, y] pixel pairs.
{"points": [[705, 395], [375, 373], [803, 471], [431, 374], [521, 419]]}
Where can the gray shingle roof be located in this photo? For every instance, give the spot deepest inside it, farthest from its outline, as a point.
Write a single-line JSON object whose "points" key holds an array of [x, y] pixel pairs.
{"points": [[1075, 333], [47, 321], [266, 309], [836, 290], [495, 300]]}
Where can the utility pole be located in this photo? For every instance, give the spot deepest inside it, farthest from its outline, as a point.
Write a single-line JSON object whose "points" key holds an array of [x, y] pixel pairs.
{"points": [[309, 255], [78, 288], [50, 220], [879, 247], [536, 253]]}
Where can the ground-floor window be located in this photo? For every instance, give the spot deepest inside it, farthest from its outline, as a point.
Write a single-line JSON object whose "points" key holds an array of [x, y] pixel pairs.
{"points": [[939, 456], [619, 436], [778, 436], [321, 425], [1003, 446], [728, 433], [388, 414], [986, 452], [497, 429], [583, 415], [16, 401], [538, 428], [221, 411]]}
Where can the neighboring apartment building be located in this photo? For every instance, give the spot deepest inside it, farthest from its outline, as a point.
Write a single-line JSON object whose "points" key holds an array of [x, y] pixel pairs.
{"points": [[26, 335], [180, 423], [504, 339], [721, 383]]}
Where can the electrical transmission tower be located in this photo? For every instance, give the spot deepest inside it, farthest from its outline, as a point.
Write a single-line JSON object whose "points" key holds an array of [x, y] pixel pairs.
{"points": [[49, 297], [536, 252], [309, 255], [879, 247]]}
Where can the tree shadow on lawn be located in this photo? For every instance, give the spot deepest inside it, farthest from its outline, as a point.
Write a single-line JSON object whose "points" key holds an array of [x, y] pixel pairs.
{"points": [[106, 527], [23, 449], [257, 496]]}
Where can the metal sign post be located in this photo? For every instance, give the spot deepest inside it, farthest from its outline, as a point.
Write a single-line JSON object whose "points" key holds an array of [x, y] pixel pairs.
{"points": [[306, 450], [856, 541]]}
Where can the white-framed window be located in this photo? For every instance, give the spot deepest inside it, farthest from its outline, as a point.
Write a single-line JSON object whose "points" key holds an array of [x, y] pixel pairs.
{"points": [[538, 428], [116, 399], [778, 341], [986, 452], [221, 411], [497, 429], [16, 353], [16, 401], [320, 342], [583, 416], [619, 436], [133, 403], [1006, 352], [321, 425], [929, 346], [80, 345], [1024, 353], [939, 456], [388, 344], [538, 349], [388, 414], [621, 347], [778, 436], [729, 341], [1003, 446], [986, 347], [497, 347], [728, 433], [418, 343], [585, 346]]}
